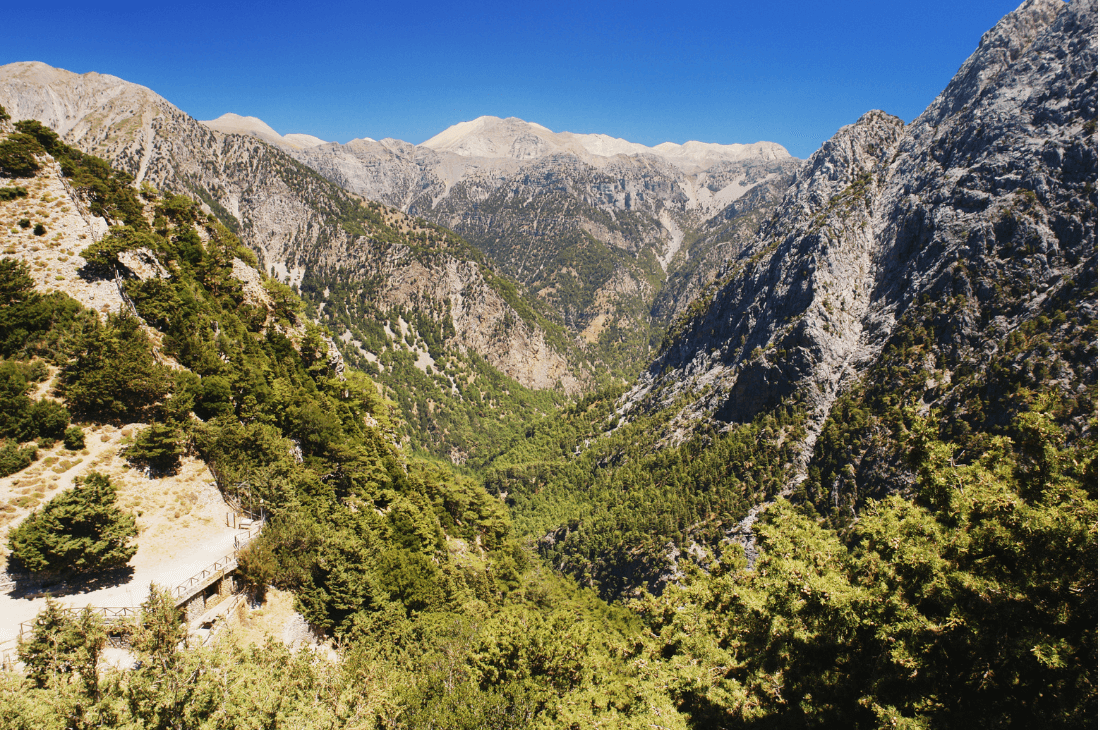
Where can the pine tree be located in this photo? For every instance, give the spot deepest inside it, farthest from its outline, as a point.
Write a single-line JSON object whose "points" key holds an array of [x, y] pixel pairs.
{"points": [[79, 531], [64, 646], [158, 448]]}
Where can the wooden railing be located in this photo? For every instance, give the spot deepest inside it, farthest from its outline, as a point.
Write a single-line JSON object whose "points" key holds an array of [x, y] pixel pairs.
{"points": [[110, 614], [199, 580], [114, 615], [219, 567]]}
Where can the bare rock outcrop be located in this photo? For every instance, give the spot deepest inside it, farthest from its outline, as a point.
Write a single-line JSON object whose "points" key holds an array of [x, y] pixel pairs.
{"points": [[886, 213]]}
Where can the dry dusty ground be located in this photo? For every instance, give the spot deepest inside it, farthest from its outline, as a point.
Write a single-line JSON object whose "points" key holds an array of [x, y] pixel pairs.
{"points": [[181, 522]]}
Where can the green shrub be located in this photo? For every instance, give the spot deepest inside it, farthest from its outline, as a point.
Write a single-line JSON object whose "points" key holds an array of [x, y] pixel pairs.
{"points": [[74, 438], [18, 156], [179, 208], [43, 135], [15, 405], [156, 301], [157, 447], [31, 322], [12, 193], [50, 418], [13, 458], [39, 229], [104, 253], [79, 531], [24, 223], [21, 418], [4, 116], [215, 397]]}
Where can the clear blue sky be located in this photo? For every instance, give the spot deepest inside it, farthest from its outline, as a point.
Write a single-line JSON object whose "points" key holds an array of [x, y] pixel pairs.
{"points": [[649, 72]]}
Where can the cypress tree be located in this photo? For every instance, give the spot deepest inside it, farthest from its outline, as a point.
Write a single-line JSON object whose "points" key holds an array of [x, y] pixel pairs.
{"points": [[79, 531]]}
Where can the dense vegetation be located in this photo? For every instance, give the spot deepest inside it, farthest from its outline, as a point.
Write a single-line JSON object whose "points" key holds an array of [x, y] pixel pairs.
{"points": [[408, 565], [613, 507], [973, 604], [935, 568]]}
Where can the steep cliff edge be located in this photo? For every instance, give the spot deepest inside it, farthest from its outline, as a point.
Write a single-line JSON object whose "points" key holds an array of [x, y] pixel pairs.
{"points": [[994, 183]]}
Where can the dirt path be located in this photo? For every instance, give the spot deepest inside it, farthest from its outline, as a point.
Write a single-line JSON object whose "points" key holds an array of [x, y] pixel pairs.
{"points": [[181, 521]]}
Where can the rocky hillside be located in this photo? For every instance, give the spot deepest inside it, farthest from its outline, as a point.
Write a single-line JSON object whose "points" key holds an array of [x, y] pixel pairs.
{"points": [[307, 231], [987, 199], [591, 226]]}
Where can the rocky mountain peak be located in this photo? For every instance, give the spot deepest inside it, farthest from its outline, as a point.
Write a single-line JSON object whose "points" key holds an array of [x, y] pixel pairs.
{"points": [[75, 105], [883, 216], [493, 137], [513, 138]]}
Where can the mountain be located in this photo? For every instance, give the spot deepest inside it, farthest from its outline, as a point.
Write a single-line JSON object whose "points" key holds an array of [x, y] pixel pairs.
{"points": [[592, 254], [308, 232], [942, 270], [590, 226], [988, 189], [856, 487], [235, 124], [512, 138]]}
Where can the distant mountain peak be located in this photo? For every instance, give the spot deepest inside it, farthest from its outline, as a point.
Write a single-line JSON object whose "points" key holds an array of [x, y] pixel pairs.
{"points": [[231, 123], [493, 137]]}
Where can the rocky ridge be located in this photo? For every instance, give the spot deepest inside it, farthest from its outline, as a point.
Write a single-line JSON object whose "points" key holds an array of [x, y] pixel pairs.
{"points": [[236, 124], [995, 182], [544, 205], [298, 223]]}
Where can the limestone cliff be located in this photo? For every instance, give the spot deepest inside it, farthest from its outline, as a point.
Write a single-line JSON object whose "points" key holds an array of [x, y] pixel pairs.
{"points": [[299, 224], [987, 199]]}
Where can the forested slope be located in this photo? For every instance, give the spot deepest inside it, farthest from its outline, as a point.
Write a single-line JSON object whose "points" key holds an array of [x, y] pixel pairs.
{"points": [[314, 236], [413, 569], [858, 487]]}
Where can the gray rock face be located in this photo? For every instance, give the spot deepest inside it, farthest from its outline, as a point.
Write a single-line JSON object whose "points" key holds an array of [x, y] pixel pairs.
{"points": [[538, 203], [884, 214], [293, 218], [482, 320]]}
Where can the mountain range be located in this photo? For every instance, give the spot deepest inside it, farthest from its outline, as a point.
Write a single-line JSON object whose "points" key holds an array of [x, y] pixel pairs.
{"points": [[826, 430]]}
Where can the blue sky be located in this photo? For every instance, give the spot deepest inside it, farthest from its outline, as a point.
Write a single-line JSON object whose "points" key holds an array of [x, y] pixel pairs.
{"points": [[649, 72]]}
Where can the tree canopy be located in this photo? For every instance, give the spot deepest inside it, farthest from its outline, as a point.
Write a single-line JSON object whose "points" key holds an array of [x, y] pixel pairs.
{"points": [[81, 530]]}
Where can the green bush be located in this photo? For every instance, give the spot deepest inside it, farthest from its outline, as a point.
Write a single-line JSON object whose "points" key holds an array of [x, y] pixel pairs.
{"points": [[104, 253], [74, 438], [79, 531], [13, 458], [13, 193], [39, 229], [15, 405], [157, 447], [179, 208], [50, 419], [31, 322], [18, 156], [21, 418], [215, 397]]}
